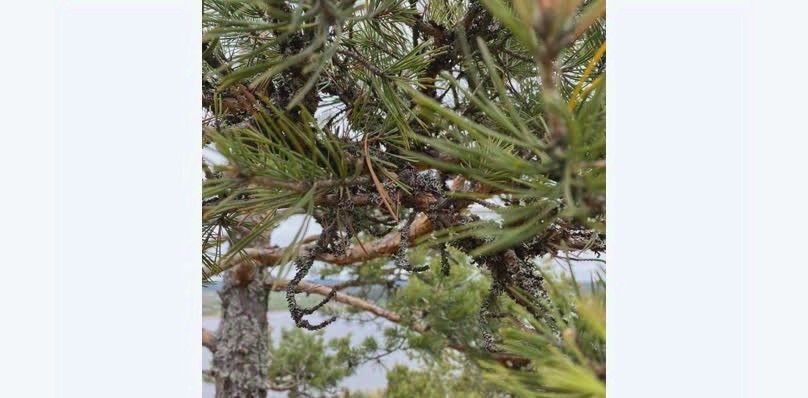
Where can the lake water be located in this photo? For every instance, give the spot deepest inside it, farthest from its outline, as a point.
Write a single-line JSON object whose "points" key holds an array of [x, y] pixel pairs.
{"points": [[369, 376]]}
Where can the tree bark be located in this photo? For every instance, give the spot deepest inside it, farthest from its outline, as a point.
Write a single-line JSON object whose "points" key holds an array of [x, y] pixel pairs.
{"points": [[240, 360]]}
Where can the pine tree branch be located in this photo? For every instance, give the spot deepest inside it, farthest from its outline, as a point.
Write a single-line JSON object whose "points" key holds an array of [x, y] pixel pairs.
{"points": [[359, 282], [365, 63], [382, 247], [303, 187], [560, 240], [208, 340], [278, 284]]}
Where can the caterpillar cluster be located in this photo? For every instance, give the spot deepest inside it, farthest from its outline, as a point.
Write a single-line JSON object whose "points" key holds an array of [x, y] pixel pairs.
{"points": [[302, 266], [508, 270], [488, 342], [444, 260], [400, 258]]}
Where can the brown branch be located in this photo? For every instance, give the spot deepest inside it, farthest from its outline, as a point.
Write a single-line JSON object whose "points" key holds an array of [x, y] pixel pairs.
{"points": [[420, 200], [365, 63], [387, 246], [379, 248], [516, 55], [310, 239], [600, 260], [432, 29], [356, 302], [303, 187], [364, 305], [208, 340], [269, 182], [359, 282]]}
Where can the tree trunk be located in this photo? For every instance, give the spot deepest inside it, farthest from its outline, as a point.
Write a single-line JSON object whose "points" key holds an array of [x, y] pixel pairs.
{"points": [[240, 361]]}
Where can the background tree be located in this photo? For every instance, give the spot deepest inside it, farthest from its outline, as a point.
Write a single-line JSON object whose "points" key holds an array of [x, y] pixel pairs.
{"points": [[391, 125]]}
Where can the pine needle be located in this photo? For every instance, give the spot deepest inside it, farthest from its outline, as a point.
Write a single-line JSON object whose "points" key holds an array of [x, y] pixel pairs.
{"points": [[379, 187]]}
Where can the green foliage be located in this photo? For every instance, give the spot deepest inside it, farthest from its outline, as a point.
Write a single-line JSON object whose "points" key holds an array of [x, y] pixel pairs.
{"points": [[449, 304], [304, 364], [441, 380], [568, 364]]}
